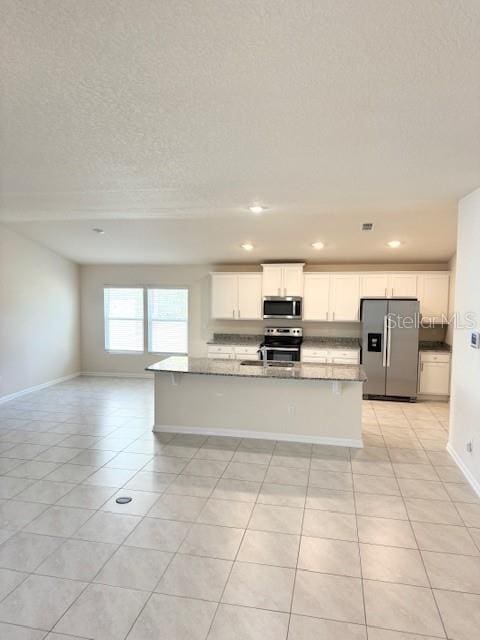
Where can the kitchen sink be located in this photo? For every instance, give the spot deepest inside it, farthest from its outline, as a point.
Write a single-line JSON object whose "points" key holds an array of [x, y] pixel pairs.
{"points": [[259, 363]]}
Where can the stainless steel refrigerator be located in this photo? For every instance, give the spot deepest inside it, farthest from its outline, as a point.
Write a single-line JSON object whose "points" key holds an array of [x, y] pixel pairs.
{"points": [[390, 347]]}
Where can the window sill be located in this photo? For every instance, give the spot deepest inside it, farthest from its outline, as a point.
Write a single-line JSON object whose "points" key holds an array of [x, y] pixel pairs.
{"points": [[124, 353], [166, 353]]}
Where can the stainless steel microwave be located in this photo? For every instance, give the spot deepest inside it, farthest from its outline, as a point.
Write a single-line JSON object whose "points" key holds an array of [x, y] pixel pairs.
{"points": [[279, 307]]}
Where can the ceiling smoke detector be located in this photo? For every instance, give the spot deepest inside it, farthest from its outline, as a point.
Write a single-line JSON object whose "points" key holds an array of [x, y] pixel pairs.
{"points": [[367, 226]]}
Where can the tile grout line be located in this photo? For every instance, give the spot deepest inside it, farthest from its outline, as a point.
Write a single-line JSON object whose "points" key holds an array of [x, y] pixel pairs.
{"points": [[299, 546], [424, 566]]}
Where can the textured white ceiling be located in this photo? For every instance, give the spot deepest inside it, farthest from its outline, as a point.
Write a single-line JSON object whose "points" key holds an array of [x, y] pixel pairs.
{"points": [[162, 121]]}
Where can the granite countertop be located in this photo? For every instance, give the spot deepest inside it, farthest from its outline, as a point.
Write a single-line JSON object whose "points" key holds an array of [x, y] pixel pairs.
{"points": [[328, 342], [310, 341], [299, 371], [427, 345], [243, 340]]}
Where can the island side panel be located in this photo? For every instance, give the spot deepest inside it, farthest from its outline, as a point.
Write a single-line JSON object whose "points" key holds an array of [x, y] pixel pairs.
{"points": [[306, 410]]}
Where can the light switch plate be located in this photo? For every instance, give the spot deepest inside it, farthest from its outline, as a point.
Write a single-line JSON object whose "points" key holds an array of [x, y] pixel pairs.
{"points": [[475, 339]]}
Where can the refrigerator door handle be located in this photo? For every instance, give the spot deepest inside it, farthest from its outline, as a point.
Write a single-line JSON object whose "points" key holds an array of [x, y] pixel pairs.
{"points": [[389, 344], [385, 332]]}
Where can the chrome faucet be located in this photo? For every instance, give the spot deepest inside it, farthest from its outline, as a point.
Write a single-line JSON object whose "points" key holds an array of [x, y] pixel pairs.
{"points": [[263, 354]]}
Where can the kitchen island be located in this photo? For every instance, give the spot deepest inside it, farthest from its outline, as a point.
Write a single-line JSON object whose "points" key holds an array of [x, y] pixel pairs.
{"points": [[318, 403]]}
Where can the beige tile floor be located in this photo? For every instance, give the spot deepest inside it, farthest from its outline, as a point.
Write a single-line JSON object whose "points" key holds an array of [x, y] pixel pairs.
{"points": [[228, 538]]}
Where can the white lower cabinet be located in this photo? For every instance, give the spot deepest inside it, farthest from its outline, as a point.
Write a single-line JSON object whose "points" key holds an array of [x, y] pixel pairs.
{"points": [[434, 374], [220, 352], [246, 353], [232, 352], [330, 356]]}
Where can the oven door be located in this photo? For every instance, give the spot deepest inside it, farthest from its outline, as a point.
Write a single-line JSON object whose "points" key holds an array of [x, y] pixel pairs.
{"points": [[283, 354], [290, 308]]}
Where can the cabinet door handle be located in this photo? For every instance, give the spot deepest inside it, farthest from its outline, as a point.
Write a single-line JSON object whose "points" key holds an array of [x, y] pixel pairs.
{"points": [[233, 313], [393, 292], [333, 315], [326, 318], [278, 290], [386, 292]]}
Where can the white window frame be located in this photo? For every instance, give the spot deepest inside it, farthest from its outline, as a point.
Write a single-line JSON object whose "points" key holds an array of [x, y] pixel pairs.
{"points": [[105, 320], [148, 322], [146, 319]]}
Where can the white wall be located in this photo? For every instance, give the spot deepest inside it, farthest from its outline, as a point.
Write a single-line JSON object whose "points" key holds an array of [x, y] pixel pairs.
{"points": [[465, 399], [94, 358], [39, 314], [452, 266], [93, 278]]}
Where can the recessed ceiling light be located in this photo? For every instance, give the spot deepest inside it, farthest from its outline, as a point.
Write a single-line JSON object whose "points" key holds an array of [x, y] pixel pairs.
{"points": [[394, 244], [318, 245], [99, 231], [256, 208], [247, 246]]}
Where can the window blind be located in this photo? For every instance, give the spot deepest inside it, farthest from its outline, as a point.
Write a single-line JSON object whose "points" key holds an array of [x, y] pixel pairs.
{"points": [[123, 309], [168, 320]]}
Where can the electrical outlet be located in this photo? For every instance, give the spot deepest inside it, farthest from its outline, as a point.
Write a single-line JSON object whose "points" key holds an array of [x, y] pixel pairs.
{"points": [[469, 446]]}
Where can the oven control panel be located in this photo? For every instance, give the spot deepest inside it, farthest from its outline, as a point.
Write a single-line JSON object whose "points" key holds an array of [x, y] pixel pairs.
{"points": [[284, 331]]}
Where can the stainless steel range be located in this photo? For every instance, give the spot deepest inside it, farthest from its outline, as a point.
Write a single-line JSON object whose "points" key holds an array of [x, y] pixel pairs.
{"points": [[281, 344]]}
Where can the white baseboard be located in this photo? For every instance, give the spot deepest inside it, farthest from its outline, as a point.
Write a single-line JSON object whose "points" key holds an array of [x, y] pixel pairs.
{"points": [[263, 435], [106, 374], [470, 478], [430, 397], [37, 387]]}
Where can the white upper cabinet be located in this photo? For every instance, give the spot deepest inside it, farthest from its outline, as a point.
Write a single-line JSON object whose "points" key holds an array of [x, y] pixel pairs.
{"points": [[249, 296], [237, 296], [433, 290], [344, 297], [374, 285], [283, 279], [403, 285], [332, 297], [272, 280], [293, 280], [224, 295], [388, 285], [316, 296]]}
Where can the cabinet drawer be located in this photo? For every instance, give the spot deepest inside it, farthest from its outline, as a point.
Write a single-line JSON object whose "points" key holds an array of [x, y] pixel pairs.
{"points": [[246, 351], [221, 356], [314, 359], [314, 353], [215, 350], [426, 356], [338, 360], [348, 353]]}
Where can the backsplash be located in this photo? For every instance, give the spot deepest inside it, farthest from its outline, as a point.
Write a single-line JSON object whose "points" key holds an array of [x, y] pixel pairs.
{"points": [[310, 329]]}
